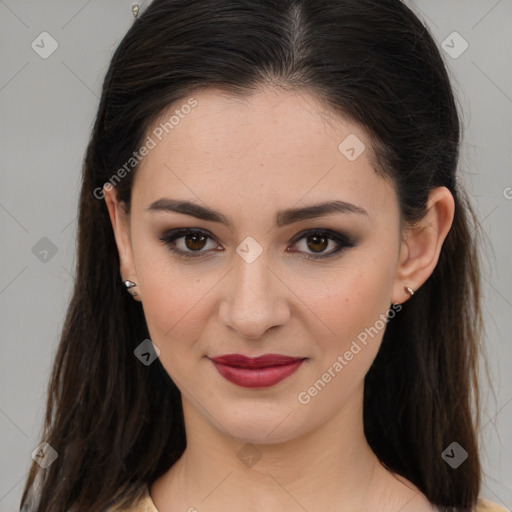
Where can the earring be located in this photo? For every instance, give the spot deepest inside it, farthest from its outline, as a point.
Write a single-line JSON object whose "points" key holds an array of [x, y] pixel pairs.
{"points": [[410, 291], [129, 285]]}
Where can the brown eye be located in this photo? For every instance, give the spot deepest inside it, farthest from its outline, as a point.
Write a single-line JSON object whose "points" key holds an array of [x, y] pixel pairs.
{"points": [[195, 241], [317, 243]]}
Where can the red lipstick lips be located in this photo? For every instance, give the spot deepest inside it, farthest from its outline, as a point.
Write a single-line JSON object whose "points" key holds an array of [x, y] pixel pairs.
{"points": [[256, 372]]}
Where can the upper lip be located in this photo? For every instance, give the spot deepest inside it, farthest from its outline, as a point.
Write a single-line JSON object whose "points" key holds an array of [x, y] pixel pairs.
{"points": [[262, 361]]}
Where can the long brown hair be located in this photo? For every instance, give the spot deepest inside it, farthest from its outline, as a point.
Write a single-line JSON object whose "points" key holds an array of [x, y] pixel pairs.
{"points": [[117, 425]]}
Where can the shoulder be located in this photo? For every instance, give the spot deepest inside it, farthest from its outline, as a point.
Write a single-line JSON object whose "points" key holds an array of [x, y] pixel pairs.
{"points": [[143, 504], [489, 506]]}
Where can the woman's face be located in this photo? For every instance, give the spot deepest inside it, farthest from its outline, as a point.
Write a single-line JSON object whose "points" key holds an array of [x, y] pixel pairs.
{"points": [[269, 279]]}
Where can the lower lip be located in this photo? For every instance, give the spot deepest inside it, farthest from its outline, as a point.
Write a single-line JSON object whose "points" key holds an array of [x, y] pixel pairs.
{"points": [[257, 377]]}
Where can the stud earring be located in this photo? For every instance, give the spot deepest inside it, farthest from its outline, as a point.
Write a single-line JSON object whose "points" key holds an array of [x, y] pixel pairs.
{"points": [[409, 290], [129, 285]]}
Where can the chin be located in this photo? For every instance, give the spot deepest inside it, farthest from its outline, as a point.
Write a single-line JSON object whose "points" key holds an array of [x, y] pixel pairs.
{"points": [[250, 435], [260, 425]]}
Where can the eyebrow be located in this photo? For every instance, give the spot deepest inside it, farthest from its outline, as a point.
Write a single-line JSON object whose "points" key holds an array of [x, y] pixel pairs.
{"points": [[283, 217]]}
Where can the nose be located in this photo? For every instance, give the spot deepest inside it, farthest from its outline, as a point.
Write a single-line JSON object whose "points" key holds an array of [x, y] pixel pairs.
{"points": [[255, 299]]}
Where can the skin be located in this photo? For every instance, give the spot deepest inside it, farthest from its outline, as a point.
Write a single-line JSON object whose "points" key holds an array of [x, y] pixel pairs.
{"points": [[249, 158]]}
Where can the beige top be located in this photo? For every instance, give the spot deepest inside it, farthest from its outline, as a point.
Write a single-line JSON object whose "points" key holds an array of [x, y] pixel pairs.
{"points": [[147, 505]]}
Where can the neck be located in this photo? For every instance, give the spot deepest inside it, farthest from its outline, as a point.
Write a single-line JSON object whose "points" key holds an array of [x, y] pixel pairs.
{"points": [[223, 473]]}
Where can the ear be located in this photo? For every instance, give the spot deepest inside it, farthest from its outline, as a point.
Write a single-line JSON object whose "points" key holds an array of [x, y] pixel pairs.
{"points": [[422, 243], [120, 220]]}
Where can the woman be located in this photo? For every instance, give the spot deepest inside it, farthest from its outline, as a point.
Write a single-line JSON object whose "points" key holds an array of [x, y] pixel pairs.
{"points": [[274, 183]]}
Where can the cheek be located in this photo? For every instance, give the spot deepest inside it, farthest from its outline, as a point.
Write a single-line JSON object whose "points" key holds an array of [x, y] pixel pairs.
{"points": [[169, 290], [172, 312], [173, 318], [351, 302], [348, 326], [173, 303]]}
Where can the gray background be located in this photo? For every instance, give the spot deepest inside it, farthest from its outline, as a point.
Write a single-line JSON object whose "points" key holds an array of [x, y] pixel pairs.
{"points": [[47, 107]]}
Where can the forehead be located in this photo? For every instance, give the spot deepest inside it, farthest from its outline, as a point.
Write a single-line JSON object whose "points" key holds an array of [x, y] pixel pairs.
{"points": [[272, 117], [277, 143]]}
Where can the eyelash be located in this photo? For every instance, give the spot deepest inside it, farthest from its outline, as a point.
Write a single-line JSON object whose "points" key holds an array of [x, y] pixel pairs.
{"points": [[168, 238]]}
